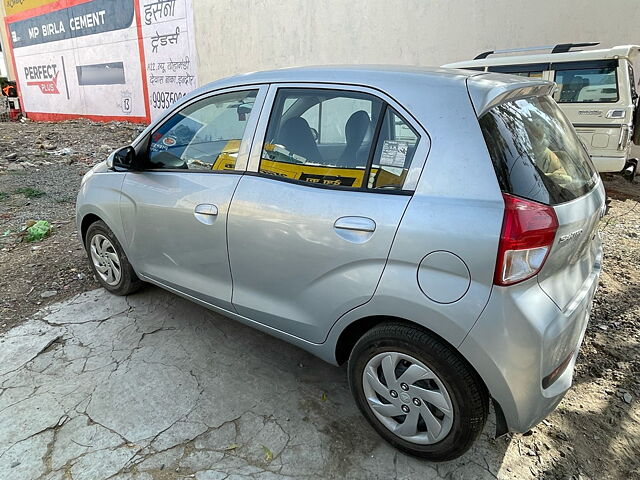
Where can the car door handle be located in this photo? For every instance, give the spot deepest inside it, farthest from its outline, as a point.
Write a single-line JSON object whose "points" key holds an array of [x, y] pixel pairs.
{"points": [[206, 209], [206, 213], [358, 224]]}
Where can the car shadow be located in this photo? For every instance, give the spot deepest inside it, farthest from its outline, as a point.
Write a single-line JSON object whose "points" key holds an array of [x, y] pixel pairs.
{"points": [[315, 393]]}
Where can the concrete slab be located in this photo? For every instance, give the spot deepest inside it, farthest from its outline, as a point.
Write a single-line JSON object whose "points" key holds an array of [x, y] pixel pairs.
{"points": [[155, 387]]}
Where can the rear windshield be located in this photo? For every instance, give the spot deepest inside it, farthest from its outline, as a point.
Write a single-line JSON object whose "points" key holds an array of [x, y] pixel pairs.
{"points": [[535, 151]]}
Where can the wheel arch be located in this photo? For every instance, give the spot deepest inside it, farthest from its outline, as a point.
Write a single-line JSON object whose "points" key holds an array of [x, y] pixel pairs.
{"points": [[86, 222], [350, 335]]}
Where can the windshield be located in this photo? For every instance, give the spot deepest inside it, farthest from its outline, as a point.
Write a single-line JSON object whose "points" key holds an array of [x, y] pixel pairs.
{"points": [[535, 151]]}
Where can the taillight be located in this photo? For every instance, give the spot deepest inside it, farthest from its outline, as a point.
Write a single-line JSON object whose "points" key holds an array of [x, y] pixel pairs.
{"points": [[528, 230]]}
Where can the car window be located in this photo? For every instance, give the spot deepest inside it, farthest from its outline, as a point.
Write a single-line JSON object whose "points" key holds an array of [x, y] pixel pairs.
{"points": [[334, 115], [527, 74], [206, 135], [632, 84], [394, 153], [535, 151], [323, 137], [587, 85]]}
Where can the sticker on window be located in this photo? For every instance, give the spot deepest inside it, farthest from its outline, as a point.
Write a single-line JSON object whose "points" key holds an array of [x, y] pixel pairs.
{"points": [[169, 141], [394, 153]]}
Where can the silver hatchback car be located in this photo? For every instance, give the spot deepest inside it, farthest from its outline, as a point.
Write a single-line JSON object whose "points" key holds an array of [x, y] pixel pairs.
{"points": [[436, 229]]}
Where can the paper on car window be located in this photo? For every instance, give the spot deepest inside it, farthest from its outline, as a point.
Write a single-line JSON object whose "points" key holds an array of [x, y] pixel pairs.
{"points": [[394, 153]]}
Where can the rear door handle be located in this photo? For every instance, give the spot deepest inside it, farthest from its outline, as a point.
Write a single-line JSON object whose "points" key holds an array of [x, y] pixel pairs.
{"points": [[358, 224], [206, 213], [206, 209]]}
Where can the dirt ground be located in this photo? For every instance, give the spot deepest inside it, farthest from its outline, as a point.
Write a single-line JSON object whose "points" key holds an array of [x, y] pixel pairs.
{"points": [[595, 431]]}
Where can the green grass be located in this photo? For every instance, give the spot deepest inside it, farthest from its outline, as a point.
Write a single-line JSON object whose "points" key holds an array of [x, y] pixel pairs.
{"points": [[64, 199], [30, 192], [3, 196]]}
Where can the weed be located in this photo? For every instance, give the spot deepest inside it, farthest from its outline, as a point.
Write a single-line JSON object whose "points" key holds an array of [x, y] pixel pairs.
{"points": [[30, 192]]}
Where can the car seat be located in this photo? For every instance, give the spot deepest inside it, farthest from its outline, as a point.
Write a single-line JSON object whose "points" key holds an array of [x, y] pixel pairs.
{"points": [[355, 131], [297, 137]]}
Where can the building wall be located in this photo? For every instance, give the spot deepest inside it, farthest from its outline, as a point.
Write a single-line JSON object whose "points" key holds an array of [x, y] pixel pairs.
{"points": [[229, 37], [248, 35], [100, 59]]}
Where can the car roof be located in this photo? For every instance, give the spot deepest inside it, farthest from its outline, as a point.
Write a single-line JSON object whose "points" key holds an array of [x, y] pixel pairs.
{"points": [[367, 75], [426, 93], [401, 82]]}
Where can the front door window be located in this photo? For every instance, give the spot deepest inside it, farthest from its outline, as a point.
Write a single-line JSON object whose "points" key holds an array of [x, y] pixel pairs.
{"points": [[205, 135]]}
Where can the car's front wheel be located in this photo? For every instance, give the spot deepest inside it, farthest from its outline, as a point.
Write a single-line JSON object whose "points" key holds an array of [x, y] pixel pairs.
{"points": [[417, 391], [108, 260]]}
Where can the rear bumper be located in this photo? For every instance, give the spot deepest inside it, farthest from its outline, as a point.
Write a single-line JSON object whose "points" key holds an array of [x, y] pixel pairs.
{"points": [[609, 164], [521, 338]]}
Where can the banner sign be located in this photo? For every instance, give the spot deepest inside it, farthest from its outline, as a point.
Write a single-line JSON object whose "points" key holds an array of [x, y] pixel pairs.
{"points": [[16, 6], [167, 28], [85, 19], [103, 59]]}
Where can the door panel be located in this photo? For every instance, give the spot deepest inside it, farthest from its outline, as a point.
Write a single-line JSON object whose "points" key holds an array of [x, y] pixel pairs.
{"points": [[170, 241], [175, 211], [302, 256]]}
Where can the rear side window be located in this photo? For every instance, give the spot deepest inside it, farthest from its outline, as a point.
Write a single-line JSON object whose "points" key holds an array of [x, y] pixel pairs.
{"points": [[535, 151], [587, 85], [338, 139]]}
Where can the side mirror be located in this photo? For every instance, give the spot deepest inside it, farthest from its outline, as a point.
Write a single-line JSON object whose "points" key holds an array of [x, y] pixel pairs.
{"points": [[124, 158]]}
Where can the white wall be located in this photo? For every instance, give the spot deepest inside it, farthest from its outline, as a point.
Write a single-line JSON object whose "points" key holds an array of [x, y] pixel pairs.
{"points": [[247, 35]]}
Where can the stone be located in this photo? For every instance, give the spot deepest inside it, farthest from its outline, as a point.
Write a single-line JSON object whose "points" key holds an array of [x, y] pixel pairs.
{"points": [[201, 460], [11, 156], [101, 463], [180, 432], [23, 343], [162, 395], [161, 460], [211, 475], [24, 459], [218, 439], [96, 305], [48, 294], [78, 437]]}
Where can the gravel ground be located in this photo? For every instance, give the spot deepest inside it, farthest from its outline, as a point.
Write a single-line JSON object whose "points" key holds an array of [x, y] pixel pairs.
{"points": [[41, 165], [595, 431]]}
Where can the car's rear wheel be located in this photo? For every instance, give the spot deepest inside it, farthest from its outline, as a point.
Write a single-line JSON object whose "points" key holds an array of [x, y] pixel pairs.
{"points": [[108, 260], [417, 392]]}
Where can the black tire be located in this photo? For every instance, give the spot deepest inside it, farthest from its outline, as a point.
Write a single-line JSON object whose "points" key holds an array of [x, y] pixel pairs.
{"points": [[468, 394], [129, 281]]}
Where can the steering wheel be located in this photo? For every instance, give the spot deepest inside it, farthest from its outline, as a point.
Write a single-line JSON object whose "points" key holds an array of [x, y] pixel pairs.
{"points": [[314, 132]]}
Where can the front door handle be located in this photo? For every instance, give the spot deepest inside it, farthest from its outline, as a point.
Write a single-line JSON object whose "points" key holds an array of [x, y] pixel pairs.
{"points": [[206, 213], [358, 224]]}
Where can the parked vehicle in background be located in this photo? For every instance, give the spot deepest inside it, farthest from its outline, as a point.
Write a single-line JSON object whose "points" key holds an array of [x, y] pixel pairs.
{"points": [[596, 89], [437, 230]]}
